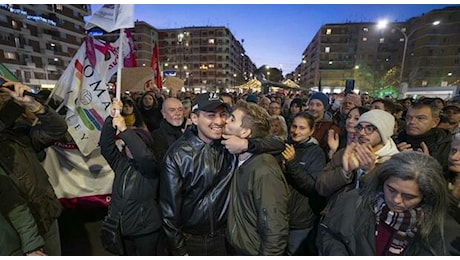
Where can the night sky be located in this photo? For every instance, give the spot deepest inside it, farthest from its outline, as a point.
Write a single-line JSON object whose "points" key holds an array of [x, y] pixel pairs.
{"points": [[274, 35]]}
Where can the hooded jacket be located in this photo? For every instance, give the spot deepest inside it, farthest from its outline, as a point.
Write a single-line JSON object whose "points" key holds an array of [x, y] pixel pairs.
{"points": [[135, 186]]}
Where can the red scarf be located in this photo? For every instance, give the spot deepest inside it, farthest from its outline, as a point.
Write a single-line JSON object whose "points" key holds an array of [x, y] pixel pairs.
{"points": [[403, 223]]}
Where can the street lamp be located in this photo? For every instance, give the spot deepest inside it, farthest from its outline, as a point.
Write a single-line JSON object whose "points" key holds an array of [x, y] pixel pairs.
{"points": [[383, 24], [180, 38]]}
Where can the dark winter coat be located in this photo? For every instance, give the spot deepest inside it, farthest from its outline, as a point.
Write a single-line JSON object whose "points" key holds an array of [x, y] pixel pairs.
{"points": [[135, 187]]}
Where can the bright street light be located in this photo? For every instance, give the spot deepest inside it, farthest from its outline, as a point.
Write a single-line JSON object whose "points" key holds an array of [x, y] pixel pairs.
{"points": [[383, 24]]}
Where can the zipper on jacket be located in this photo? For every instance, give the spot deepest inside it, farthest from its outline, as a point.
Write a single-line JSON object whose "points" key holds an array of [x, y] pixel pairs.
{"points": [[124, 182]]}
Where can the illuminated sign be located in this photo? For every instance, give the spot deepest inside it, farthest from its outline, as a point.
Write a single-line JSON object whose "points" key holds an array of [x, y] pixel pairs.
{"points": [[35, 18]]}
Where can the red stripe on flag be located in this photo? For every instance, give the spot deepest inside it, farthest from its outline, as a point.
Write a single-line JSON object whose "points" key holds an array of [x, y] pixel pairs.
{"points": [[93, 201]]}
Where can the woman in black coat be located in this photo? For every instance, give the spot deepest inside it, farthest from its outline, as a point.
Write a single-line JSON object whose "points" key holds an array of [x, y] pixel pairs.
{"points": [[135, 187]]}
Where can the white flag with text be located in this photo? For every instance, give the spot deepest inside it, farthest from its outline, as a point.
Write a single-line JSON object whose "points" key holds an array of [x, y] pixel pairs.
{"points": [[112, 17]]}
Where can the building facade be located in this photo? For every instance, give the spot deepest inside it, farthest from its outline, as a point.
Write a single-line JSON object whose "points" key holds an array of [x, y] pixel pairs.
{"points": [[433, 51], [37, 41], [206, 58], [421, 52]]}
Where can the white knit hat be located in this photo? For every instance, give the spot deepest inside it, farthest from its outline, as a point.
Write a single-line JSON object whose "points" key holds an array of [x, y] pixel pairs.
{"points": [[381, 119]]}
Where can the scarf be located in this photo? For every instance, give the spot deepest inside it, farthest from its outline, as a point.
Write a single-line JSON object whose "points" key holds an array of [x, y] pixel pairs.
{"points": [[130, 120], [402, 222], [386, 151]]}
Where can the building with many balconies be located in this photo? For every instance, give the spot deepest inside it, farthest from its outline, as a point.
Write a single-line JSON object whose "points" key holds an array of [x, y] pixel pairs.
{"points": [[204, 57], [423, 51], [37, 41]]}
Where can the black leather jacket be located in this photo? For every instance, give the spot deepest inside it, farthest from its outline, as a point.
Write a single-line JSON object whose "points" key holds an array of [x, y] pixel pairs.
{"points": [[135, 187], [194, 186]]}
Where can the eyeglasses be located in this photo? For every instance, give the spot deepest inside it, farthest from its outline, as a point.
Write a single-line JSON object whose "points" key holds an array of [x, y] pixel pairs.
{"points": [[368, 129]]}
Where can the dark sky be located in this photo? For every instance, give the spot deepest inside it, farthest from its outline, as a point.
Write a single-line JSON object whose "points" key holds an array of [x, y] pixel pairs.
{"points": [[274, 35]]}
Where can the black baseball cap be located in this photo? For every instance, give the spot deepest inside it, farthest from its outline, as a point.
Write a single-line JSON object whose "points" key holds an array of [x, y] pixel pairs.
{"points": [[208, 102]]}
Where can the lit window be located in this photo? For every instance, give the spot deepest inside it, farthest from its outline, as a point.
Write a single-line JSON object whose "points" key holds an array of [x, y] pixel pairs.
{"points": [[401, 39], [211, 66], [382, 40], [328, 31], [14, 24], [424, 83], [211, 41], [364, 39], [327, 49], [59, 7], [365, 29], [10, 56]]}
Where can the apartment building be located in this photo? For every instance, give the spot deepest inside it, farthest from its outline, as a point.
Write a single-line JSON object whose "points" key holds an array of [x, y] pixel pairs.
{"points": [[423, 51], [37, 41], [208, 57], [433, 51]]}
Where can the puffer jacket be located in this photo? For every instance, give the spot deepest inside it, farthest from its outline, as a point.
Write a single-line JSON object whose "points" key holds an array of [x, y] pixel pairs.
{"points": [[195, 183], [19, 159], [135, 186]]}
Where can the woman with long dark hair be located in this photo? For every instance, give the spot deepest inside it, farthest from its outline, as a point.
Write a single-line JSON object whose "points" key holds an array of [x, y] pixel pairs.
{"points": [[400, 211]]}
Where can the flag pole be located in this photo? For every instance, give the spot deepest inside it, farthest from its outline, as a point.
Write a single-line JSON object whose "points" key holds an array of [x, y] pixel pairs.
{"points": [[120, 65]]}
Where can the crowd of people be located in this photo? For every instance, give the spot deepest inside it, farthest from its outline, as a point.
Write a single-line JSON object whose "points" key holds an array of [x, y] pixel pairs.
{"points": [[248, 174]]}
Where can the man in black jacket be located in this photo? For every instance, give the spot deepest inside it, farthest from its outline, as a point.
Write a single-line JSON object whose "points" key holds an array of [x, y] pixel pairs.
{"points": [[171, 127], [422, 134], [195, 182]]}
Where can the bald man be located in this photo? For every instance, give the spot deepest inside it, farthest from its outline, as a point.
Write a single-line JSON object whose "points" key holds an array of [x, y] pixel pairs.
{"points": [[171, 127]]}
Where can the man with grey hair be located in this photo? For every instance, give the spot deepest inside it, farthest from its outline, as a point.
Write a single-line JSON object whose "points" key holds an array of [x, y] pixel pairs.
{"points": [[171, 126]]}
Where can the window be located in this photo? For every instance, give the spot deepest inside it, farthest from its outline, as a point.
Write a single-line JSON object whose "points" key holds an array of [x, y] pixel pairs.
{"points": [[364, 39], [382, 40], [10, 55], [328, 31], [424, 82], [14, 24], [211, 41], [327, 49], [365, 29], [59, 7]]}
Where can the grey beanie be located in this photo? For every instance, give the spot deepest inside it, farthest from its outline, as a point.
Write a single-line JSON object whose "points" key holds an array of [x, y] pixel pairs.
{"points": [[381, 119]]}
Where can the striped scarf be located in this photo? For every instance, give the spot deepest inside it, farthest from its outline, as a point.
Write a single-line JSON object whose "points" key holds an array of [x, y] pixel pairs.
{"points": [[404, 224]]}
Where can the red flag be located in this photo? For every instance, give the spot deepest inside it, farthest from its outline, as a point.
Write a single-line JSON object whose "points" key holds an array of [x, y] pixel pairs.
{"points": [[130, 57], [156, 65]]}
